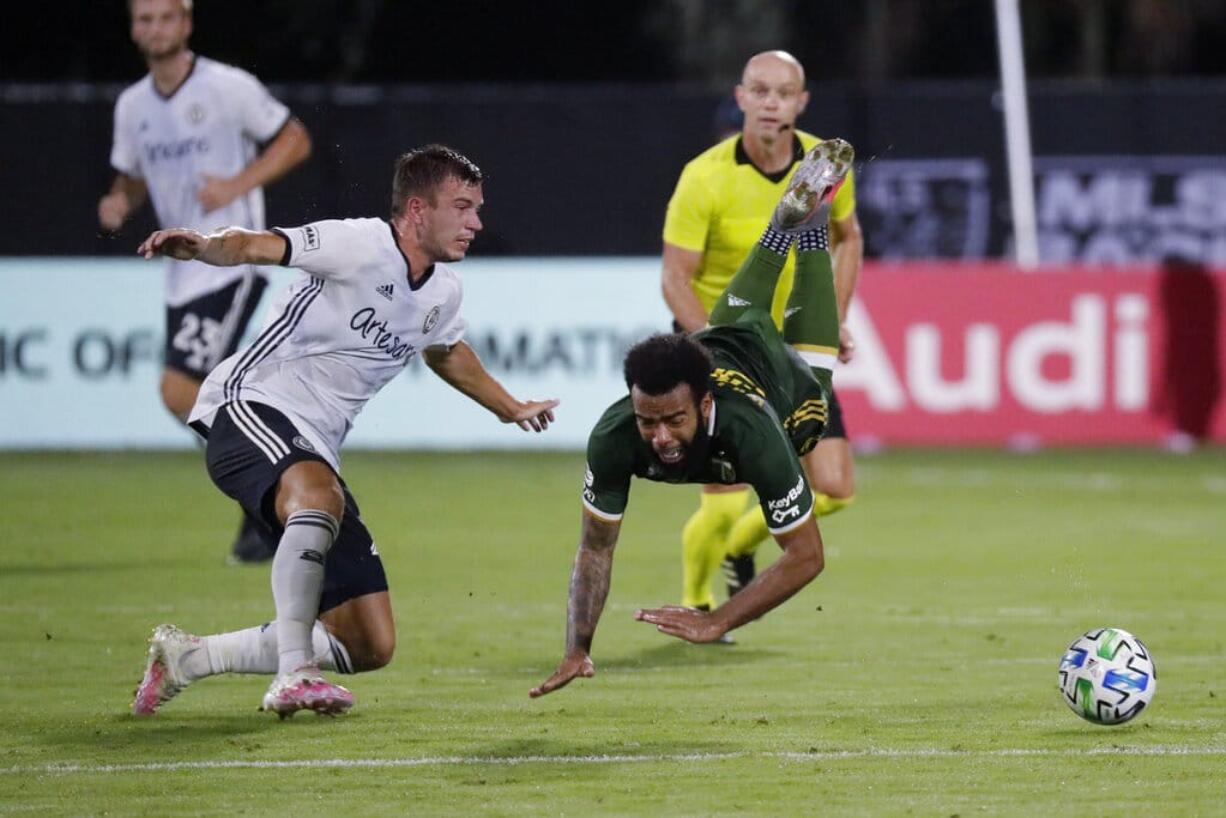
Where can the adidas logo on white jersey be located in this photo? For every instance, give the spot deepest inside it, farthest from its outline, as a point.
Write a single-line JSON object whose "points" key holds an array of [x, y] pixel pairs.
{"points": [[385, 291], [733, 301]]}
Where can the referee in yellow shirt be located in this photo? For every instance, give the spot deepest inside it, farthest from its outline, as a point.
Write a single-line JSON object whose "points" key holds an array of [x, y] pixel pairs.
{"points": [[722, 203]]}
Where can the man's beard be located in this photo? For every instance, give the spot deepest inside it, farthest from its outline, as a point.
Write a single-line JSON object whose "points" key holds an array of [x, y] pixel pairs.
{"points": [[166, 53], [694, 452]]}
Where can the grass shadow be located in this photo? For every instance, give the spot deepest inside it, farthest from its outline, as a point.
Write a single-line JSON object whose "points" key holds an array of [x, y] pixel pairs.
{"points": [[677, 653]]}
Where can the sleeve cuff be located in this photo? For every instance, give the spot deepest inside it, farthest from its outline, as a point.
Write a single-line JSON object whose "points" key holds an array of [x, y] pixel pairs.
{"points": [[264, 143], [289, 246], [601, 515]]}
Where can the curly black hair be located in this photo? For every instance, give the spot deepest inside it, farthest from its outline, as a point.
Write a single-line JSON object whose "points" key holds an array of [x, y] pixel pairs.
{"points": [[657, 364]]}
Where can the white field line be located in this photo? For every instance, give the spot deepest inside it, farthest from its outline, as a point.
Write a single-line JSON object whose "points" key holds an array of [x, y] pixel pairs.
{"points": [[675, 758]]}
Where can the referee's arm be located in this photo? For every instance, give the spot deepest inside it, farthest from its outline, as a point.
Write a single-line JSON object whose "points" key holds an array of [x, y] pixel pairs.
{"points": [[677, 281]]}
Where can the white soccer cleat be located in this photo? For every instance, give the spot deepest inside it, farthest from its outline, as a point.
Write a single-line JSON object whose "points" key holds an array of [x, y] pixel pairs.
{"points": [[163, 679], [306, 689], [806, 202]]}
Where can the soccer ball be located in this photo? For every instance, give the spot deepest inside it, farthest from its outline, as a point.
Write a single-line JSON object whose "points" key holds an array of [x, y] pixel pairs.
{"points": [[1107, 676]]}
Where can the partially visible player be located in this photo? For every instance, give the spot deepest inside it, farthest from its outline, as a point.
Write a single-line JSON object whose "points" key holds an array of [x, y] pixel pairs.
{"points": [[374, 294], [734, 403], [200, 139], [721, 203]]}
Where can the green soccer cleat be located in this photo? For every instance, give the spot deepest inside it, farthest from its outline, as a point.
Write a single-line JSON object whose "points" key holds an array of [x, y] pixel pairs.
{"points": [[806, 202]]}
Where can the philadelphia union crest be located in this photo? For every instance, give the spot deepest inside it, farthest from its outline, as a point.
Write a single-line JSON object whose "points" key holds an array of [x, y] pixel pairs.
{"points": [[431, 320]]}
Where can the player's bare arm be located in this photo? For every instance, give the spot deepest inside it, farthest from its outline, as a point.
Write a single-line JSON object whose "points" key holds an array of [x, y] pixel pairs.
{"points": [[589, 587], [127, 194], [459, 366], [679, 268], [227, 247], [848, 240], [287, 150], [801, 562]]}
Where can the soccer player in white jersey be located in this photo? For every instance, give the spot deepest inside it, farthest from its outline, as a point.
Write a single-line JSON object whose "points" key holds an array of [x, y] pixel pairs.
{"points": [[188, 137], [374, 294]]}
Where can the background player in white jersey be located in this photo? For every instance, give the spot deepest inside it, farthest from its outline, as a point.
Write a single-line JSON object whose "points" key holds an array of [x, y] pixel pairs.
{"points": [[374, 294], [187, 136]]}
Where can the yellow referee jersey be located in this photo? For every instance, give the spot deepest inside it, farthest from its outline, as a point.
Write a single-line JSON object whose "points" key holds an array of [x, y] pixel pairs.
{"points": [[721, 206]]}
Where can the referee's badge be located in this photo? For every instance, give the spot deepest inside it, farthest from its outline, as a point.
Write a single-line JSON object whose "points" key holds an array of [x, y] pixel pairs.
{"points": [[431, 320]]}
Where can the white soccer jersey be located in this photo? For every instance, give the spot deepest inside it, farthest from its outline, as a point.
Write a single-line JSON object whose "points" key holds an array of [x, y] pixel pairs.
{"points": [[337, 334], [212, 124]]}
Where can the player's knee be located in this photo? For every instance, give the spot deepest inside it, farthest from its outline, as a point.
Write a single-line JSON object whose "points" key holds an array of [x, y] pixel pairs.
{"points": [[301, 489], [376, 651], [839, 485]]}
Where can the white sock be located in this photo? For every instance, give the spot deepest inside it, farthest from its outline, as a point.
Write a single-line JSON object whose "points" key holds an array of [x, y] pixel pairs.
{"points": [[254, 650], [297, 580]]}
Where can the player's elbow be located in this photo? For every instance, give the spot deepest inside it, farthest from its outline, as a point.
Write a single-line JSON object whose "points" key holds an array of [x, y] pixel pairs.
{"points": [[301, 141], [811, 562]]}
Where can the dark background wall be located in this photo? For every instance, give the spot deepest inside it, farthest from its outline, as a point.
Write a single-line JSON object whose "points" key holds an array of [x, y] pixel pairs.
{"points": [[589, 169]]}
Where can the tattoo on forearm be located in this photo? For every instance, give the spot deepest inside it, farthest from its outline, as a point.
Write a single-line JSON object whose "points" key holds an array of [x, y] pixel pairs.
{"points": [[589, 582]]}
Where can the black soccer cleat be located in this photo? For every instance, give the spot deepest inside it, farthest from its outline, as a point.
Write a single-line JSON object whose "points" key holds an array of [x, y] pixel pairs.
{"points": [[738, 572], [253, 544]]}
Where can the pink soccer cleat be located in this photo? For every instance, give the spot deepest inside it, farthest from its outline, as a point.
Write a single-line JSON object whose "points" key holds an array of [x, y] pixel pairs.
{"points": [[806, 203], [306, 689], [163, 678]]}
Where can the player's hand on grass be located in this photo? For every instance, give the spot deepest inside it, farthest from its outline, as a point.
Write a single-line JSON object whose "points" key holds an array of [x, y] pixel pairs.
{"points": [[112, 211], [689, 624], [534, 415], [216, 191], [572, 667], [176, 243], [847, 344]]}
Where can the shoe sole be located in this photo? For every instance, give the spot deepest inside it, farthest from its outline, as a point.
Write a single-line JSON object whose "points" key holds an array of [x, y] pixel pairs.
{"points": [[141, 704], [818, 177], [321, 705]]}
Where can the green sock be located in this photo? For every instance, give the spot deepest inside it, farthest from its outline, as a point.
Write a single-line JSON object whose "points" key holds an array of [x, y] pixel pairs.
{"points": [[753, 286], [811, 322]]}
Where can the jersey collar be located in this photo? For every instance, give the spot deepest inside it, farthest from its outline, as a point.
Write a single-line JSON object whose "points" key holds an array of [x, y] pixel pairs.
{"points": [[742, 158], [408, 268], [191, 69]]}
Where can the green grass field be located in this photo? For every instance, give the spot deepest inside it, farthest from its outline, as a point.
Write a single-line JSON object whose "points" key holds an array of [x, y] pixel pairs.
{"points": [[916, 676]]}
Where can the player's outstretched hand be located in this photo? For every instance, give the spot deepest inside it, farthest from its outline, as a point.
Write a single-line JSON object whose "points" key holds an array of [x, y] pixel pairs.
{"points": [[685, 623], [535, 415], [847, 345], [178, 243], [572, 667]]}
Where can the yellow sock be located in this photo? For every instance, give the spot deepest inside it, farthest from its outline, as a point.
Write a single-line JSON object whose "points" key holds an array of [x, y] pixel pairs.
{"points": [[747, 532], [824, 506], [704, 543], [750, 529]]}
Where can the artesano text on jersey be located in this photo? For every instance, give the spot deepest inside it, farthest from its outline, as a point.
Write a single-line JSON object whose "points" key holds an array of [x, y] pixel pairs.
{"points": [[213, 124], [339, 333]]}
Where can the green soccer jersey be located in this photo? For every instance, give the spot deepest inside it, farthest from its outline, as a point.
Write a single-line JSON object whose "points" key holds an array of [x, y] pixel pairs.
{"points": [[767, 409]]}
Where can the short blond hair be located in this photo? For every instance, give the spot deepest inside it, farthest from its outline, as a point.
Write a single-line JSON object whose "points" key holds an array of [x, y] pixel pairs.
{"points": [[186, 4]]}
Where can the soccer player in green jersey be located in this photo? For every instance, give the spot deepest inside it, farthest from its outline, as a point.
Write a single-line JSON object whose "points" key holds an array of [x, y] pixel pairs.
{"points": [[734, 403], [723, 199]]}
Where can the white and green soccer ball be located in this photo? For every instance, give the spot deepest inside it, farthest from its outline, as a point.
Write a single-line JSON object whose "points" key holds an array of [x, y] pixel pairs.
{"points": [[1107, 676]]}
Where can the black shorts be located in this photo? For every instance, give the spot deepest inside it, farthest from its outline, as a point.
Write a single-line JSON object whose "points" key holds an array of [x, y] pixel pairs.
{"points": [[834, 418], [249, 446], [202, 333]]}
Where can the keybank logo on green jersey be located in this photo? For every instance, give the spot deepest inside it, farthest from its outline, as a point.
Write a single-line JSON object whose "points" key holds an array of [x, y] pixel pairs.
{"points": [[785, 507]]}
